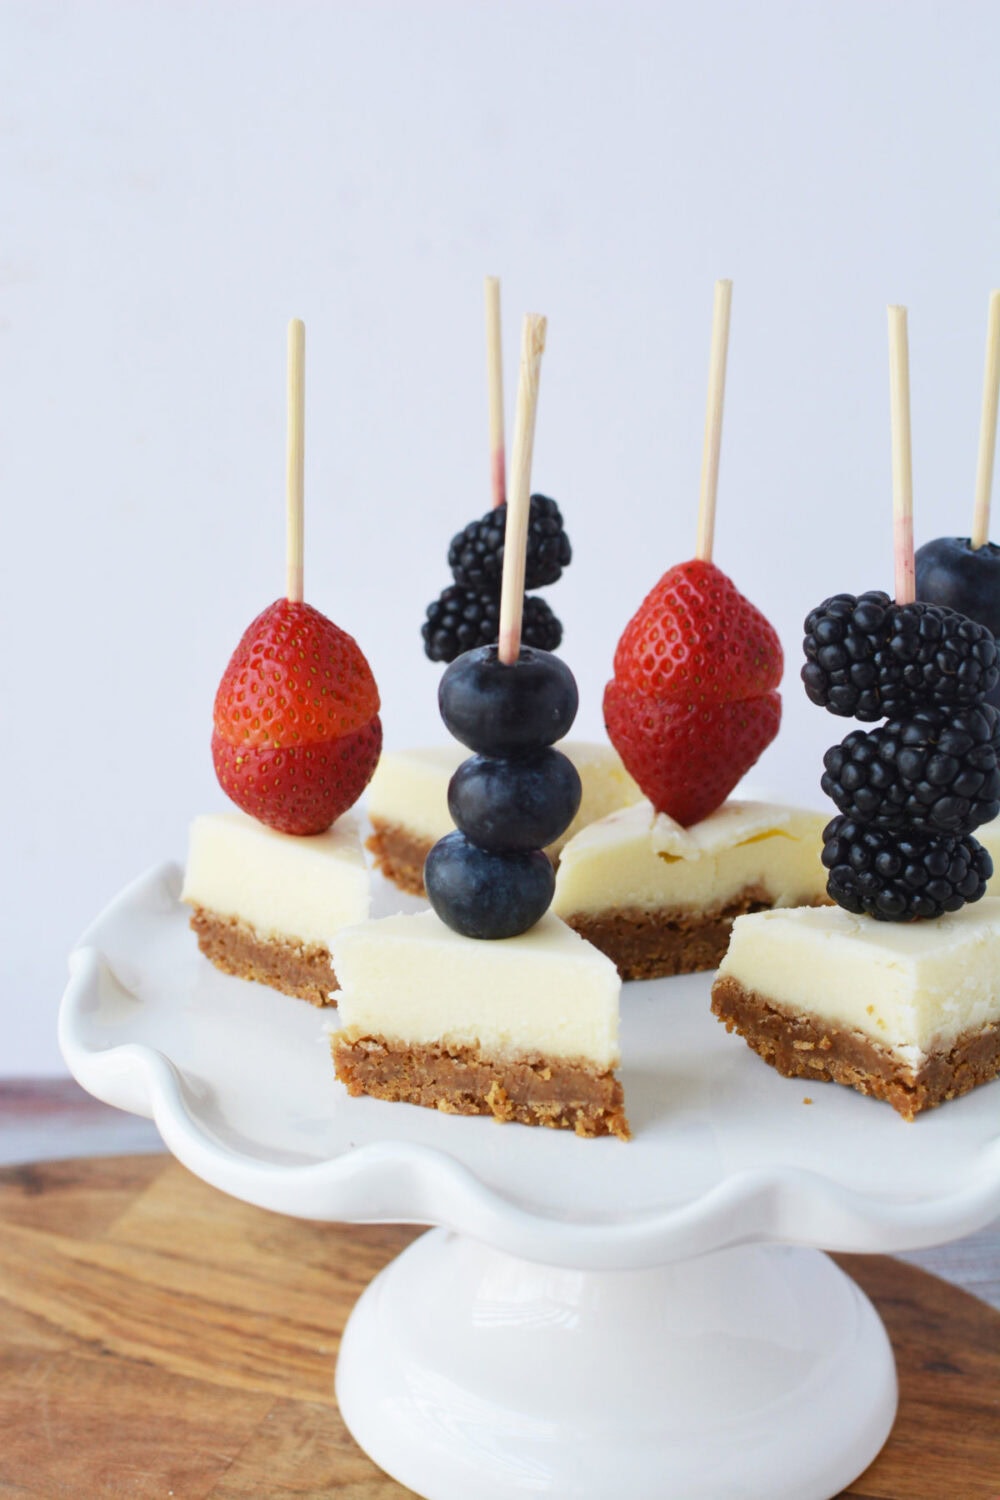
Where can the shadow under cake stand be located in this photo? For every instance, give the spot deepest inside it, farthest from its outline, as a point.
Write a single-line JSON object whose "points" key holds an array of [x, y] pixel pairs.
{"points": [[590, 1318]]}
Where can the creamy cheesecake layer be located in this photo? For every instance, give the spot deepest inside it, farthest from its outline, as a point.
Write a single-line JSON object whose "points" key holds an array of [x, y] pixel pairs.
{"points": [[913, 987], [637, 860], [283, 886], [410, 788], [413, 980]]}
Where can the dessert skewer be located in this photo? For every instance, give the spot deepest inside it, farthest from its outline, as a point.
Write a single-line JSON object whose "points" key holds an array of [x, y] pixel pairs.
{"points": [[509, 704], [692, 704], [893, 990], [296, 738], [488, 1004]]}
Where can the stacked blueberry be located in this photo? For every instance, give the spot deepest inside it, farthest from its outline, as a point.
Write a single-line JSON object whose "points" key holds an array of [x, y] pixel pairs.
{"points": [[491, 878], [467, 613], [912, 791]]}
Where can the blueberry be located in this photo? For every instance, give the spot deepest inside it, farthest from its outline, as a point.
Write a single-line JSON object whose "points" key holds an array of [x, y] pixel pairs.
{"points": [[515, 804], [485, 894], [508, 710], [952, 572]]}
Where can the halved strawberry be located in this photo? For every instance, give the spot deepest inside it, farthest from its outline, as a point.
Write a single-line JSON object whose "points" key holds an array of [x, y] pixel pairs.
{"points": [[296, 734], [687, 757], [696, 637]]}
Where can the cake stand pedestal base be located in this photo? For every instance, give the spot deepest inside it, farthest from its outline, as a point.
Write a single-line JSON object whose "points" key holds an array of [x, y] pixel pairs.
{"points": [[756, 1371]]}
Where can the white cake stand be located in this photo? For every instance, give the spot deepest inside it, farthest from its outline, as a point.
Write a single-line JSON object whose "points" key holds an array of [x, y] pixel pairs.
{"points": [[590, 1319]]}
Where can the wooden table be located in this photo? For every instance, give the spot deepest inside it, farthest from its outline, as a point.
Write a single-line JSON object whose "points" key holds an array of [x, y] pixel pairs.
{"points": [[160, 1339]]}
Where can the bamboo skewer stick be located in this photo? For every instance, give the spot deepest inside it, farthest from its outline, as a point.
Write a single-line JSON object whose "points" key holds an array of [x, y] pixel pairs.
{"points": [[515, 542], [494, 385], [295, 468], [713, 420], [902, 456], [987, 427]]}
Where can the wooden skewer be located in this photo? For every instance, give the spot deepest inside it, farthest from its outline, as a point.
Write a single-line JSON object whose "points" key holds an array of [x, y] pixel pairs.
{"points": [[987, 427], [713, 420], [295, 469], [902, 456], [515, 541], [494, 385]]}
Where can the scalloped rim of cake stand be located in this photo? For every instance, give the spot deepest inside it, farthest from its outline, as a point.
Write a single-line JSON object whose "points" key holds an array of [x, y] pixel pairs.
{"points": [[401, 1181]]}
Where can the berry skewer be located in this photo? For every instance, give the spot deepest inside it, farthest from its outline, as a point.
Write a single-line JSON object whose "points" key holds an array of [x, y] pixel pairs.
{"points": [[963, 573], [297, 733], [693, 701], [911, 792], [508, 703], [467, 613]]}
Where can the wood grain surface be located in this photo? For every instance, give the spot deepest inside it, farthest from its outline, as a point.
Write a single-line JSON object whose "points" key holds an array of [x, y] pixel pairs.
{"points": [[159, 1339]]}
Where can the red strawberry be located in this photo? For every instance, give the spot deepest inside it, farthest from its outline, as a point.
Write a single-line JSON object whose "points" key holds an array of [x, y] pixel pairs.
{"points": [[296, 729], [695, 637], [688, 757]]}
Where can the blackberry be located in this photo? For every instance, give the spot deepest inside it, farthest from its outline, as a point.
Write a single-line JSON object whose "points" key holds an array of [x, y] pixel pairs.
{"points": [[936, 771], [476, 554], [463, 618], [934, 656], [868, 658], [843, 637], [901, 877]]}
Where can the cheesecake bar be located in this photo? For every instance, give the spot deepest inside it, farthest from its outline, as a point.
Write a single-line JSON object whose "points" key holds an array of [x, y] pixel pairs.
{"points": [[660, 899], [522, 1028], [908, 1012], [266, 904], [408, 802]]}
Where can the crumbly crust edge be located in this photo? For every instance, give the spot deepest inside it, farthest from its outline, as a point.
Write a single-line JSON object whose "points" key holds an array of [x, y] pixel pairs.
{"points": [[659, 942], [561, 1093], [800, 1045], [303, 970]]}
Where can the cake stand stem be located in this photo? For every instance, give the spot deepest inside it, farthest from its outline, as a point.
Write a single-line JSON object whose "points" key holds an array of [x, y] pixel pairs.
{"points": [[750, 1373]]}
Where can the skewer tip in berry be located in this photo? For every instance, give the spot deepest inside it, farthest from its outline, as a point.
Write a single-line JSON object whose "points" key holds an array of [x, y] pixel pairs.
{"points": [[296, 729]]}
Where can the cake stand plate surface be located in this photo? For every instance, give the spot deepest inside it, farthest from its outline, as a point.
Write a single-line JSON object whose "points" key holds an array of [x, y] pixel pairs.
{"points": [[644, 1313]]}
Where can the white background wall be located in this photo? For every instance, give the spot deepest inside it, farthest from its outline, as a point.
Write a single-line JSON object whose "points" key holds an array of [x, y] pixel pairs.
{"points": [[176, 179]]}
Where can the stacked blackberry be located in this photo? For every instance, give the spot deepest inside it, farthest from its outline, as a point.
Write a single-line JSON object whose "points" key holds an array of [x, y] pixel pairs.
{"points": [[467, 613], [491, 878], [912, 791]]}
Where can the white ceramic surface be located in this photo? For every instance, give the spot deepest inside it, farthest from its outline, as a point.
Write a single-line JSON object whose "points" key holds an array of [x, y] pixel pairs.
{"points": [[751, 1373], [239, 1081]]}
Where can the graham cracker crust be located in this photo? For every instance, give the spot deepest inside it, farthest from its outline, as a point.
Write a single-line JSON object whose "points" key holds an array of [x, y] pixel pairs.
{"points": [[668, 940], [302, 970], [802, 1046], [562, 1094], [400, 855]]}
